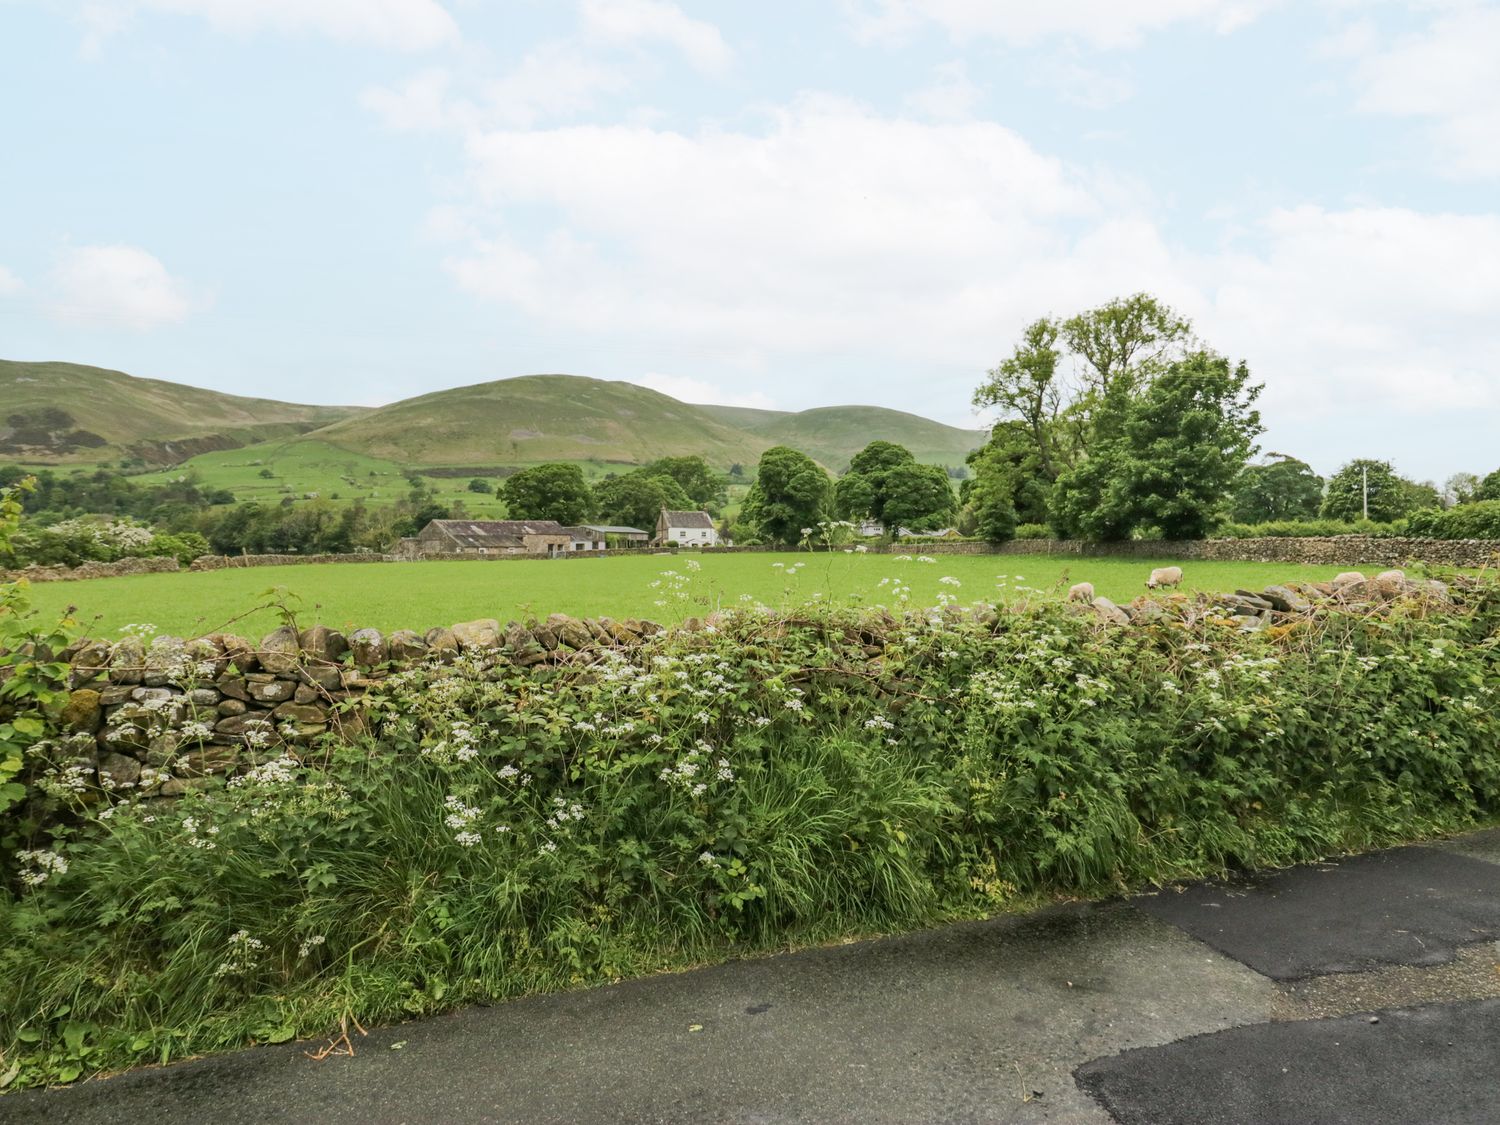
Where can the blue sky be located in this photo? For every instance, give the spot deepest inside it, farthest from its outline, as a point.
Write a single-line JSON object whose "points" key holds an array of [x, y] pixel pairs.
{"points": [[775, 204]]}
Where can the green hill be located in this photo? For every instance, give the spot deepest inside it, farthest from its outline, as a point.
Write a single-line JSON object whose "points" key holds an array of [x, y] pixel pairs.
{"points": [[743, 417], [834, 434], [268, 450], [66, 412], [543, 418]]}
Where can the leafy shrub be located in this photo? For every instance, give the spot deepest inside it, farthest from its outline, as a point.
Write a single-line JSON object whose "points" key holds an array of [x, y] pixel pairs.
{"points": [[1312, 529], [1478, 520], [1033, 531], [742, 786], [31, 689]]}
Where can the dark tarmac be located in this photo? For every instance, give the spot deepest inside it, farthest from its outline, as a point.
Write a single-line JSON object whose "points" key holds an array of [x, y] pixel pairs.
{"points": [[1410, 906], [982, 1022]]}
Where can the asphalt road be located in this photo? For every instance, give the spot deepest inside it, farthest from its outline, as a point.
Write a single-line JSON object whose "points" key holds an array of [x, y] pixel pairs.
{"points": [[1431, 1064], [983, 1022]]}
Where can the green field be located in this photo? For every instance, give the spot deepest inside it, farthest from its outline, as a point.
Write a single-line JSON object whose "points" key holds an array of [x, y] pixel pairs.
{"points": [[420, 595]]}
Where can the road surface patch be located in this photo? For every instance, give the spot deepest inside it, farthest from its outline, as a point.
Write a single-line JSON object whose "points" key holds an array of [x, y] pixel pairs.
{"points": [[1436, 1063], [1408, 906]]}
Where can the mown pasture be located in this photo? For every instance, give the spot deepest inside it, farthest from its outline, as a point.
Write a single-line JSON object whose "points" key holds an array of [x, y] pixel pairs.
{"points": [[420, 595]]}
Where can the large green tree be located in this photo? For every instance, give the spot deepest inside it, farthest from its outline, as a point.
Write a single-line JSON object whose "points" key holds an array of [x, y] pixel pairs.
{"points": [[1367, 479], [885, 483], [548, 492], [791, 492], [1064, 393], [1489, 488], [1025, 389], [1283, 488], [878, 457], [916, 496], [1181, 442], [1006, 484], [703, 487], [636, 499], [861, 493]]}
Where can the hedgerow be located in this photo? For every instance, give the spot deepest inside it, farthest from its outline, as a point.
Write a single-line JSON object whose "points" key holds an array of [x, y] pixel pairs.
{"points": [[1477, 520], [1298, 529], [767, 780]]}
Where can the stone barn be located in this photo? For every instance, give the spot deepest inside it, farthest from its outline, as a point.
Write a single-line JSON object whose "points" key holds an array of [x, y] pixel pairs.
{"points": [[471, 538]]}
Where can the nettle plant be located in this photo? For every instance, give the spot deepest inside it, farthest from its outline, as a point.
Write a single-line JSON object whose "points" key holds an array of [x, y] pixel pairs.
{"points": [[32, 687]]}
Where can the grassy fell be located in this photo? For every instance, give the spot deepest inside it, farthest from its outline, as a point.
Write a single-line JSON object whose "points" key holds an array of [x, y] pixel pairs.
{"points": [[834, 434], [127, 411], [543, 418]]}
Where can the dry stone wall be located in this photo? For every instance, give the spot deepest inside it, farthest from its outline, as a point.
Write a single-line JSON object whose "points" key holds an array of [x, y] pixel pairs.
{"points": [[230, 562], [1341, 550], [164, 717], [158, 564]]}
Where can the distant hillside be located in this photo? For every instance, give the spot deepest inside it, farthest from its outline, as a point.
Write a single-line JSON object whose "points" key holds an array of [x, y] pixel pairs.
{"points": [[743, 417], [834, 434], [66, 412], [543, 418]]}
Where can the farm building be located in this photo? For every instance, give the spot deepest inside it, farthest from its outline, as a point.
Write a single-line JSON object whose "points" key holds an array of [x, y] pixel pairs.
{"points": [[685, 529], [468, 538], [620, 536]]}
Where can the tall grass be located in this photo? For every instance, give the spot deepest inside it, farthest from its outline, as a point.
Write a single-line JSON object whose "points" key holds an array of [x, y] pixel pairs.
{"points": [[760, 784]]}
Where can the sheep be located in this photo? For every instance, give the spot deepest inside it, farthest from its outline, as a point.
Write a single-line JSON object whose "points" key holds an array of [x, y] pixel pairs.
{"points": [[1348, 578], [1164, 576], [1083, 592]]}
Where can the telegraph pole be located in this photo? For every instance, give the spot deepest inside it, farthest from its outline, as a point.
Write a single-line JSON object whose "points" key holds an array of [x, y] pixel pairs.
{"points": [[1364, 476]]}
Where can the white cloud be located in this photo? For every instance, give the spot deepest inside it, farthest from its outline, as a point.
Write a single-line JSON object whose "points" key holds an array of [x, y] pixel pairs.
{"points": [[116, 286], [1446, 75], [403, 25], [1091, 87], [10, 284], [686, 389], [1369, 307], [833, 229], [1102, 23], [424, 102], [952, 96], [836, 239], [554, 81], [630, 22]]}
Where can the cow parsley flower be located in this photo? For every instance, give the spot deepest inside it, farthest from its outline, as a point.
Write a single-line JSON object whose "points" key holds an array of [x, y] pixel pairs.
{"points": [[39, 866]]}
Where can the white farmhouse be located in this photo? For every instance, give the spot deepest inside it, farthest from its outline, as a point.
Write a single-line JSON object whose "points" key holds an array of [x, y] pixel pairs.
{"points": [[685, 529]]}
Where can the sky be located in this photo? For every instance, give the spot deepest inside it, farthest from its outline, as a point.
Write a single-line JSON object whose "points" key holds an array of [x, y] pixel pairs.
{"points": [[773, 204]]}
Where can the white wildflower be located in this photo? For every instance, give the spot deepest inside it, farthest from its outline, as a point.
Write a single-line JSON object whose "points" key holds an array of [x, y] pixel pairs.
{"points": [[39, 866]]}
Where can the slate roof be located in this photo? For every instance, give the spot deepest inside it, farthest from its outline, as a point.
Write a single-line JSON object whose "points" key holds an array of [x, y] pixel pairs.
{"points": [[688, 519], [611, 529], [494, 533]]}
